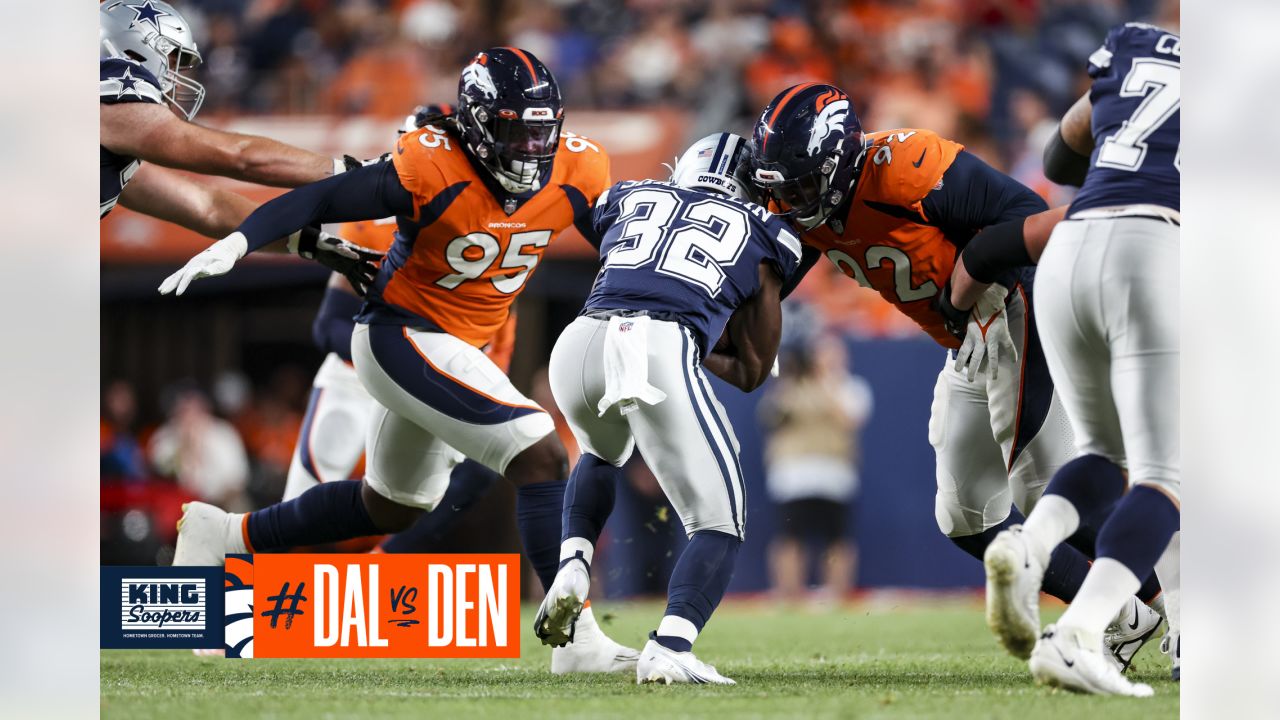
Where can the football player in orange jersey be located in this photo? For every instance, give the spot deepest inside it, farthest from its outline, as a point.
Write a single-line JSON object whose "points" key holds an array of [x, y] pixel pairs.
{"points": [[892, 210], [477, 199]]}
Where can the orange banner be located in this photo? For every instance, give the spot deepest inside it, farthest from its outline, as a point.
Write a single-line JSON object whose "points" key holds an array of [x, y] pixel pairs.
{"points": [[375, 606]]}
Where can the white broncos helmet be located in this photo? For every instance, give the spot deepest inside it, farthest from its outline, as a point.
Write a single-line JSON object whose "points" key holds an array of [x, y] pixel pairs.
{"points": [[156, 36], [717, 162]]}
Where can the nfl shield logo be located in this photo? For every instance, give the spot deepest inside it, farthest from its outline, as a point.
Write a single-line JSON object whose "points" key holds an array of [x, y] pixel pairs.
{"points": [[509, 205]]}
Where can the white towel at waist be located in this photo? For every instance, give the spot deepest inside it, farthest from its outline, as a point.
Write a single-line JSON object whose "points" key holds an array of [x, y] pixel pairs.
{"points": [[626, 365]]}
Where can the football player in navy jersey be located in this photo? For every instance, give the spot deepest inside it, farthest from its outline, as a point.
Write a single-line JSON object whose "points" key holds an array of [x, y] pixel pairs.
{"points": [[1108, 316], [147, 101], [692, 277]]}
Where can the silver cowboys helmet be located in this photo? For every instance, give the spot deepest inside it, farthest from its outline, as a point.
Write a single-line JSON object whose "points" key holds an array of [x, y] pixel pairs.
{"points": [[157, 37]]}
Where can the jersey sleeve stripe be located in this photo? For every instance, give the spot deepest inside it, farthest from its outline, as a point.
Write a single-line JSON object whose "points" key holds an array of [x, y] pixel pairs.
{"points": [[790, 242]]}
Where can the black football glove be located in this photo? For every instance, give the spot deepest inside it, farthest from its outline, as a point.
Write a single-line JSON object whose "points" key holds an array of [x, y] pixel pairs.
{"points": [[351, 163], [956, 321], [354, 262]]}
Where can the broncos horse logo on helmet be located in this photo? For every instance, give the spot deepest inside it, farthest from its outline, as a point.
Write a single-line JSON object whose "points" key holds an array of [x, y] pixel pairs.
{"points": [[806, 149], [509, 113]]}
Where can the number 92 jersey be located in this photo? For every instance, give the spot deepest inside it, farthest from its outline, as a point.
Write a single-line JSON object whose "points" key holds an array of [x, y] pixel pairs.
{"points": [[689, 255], [464, 256], [1136, 98]]}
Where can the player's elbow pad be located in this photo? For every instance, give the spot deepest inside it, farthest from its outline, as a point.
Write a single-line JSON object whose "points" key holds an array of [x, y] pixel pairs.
{"points": [[996, 250], [1063, 165]]}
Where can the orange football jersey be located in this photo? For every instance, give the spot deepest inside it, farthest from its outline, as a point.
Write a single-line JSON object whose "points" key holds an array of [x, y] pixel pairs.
{"points": [[380, 234], [463, 258], [885, 242]]}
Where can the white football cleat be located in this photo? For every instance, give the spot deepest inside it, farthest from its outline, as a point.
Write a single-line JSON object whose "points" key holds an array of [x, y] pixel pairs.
{"points": [[664, 665], [1131, 629], [206, 534], [558, 615], [1015, 568], [1171, 645], [592, 651], [1068, 658]]}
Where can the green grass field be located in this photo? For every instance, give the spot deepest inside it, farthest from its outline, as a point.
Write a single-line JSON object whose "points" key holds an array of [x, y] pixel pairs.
{"points": [[911, 659]]}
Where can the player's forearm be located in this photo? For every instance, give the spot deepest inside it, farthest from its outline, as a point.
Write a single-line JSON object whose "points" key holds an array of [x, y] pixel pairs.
{"points": [[192, 203], [738, 372], [997, 250], [269, 162], [367, 193]]}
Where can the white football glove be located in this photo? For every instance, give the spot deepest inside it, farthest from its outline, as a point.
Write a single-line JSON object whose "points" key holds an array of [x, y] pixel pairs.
{"points": [[987, 336], [217, 259]]}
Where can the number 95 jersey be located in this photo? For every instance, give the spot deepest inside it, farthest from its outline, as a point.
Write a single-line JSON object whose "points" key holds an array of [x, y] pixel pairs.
{"points": [[464, 256]]}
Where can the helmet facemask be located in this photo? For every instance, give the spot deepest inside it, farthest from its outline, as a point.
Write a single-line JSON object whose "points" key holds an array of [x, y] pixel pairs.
{"points": [[515, 148], [807, 199], [184, 93]]}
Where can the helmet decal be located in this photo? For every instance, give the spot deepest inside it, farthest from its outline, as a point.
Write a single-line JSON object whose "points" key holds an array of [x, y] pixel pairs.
{"points": [[147, 13], [477, 75], [830, 118]]}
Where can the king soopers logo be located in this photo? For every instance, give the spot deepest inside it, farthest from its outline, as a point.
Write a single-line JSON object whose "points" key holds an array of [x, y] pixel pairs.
{"points": [[163, 604]]}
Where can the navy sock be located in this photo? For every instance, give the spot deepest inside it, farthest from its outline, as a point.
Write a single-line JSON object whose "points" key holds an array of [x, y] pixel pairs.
{"points": [[538, 510], [699, 580], [1139, 530], [468, 482], [1062, 577], [589, 497], [329, 512], [1091, 483], [1085, 540]]}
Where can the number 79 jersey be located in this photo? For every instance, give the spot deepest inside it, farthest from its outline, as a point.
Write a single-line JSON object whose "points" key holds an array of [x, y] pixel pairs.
{"points": [[460, 261], [1136, 120], [689, 255]]}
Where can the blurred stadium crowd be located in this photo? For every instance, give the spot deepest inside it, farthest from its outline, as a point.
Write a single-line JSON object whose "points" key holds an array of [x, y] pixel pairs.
{"points": [[992, 74]]}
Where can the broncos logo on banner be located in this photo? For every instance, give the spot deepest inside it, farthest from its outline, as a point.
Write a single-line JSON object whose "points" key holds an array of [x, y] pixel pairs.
{"points": [[477, 75], [238, 618], [830, 117]]}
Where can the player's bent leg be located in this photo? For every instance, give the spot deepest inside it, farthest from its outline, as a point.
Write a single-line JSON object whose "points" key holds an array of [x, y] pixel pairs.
{"points": [[332, 437], [694, 455], [468, 483]]}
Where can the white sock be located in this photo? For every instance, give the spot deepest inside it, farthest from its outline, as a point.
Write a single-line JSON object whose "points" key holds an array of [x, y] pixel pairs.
{"points": [[1106, 589], [676, 626], [1051, 521], [574, 545], [1169, 572]]}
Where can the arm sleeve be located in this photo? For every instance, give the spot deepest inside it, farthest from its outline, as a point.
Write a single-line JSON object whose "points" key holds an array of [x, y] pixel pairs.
{"points": [[367, 193], [975, 195], [1063, 165]]}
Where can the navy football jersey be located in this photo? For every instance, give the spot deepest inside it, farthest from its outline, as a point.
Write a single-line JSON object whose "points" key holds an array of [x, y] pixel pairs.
{"points": [[685, 254], [1136, 99], [121, 81]]}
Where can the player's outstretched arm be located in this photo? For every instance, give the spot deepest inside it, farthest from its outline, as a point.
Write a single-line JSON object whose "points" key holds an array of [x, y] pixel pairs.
{"points": [[366, 193], [755, 330], [194, 204], [152, 133]]}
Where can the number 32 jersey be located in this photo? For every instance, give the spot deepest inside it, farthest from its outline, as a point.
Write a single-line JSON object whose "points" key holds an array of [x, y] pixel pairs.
{"points": [[1136, 99], [688, 255], [462, 259]]}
